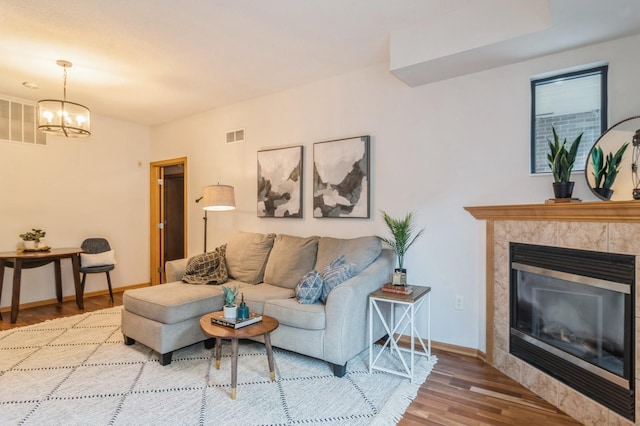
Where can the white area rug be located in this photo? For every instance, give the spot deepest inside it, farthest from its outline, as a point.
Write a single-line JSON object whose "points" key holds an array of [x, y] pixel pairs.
{"points": [[78, 371]]}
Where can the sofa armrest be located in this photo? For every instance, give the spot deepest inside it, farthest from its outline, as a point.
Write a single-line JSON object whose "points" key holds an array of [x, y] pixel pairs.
{"points": [[174, 269], [347, 329]]}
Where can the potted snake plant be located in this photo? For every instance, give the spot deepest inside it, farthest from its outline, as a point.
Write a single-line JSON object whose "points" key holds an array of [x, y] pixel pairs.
{"points": [[605, 170], [561, 160], [403, 236]]}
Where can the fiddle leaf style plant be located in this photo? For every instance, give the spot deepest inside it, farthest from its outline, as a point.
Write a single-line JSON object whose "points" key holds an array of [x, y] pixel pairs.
{"points": [[229, 295], [605, 170], [402, 235], [560, 159]]}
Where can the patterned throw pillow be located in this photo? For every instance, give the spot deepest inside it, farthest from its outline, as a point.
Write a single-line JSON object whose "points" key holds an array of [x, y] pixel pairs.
{"points": [[207, 268], [335, 276], [309, 288]]}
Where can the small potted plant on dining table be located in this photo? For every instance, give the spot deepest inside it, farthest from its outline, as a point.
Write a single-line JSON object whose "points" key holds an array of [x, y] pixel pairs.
{"points": [[32, 238]]}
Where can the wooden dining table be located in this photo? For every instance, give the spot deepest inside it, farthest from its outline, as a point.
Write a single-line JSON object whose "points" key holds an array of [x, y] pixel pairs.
{"points": [[19, 260]]}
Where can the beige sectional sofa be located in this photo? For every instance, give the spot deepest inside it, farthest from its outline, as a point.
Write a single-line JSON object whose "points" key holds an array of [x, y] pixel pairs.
{"points": [[267, 268]]}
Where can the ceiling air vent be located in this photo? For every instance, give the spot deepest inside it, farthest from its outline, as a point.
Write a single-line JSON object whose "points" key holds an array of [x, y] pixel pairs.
{"points": [[235, 136]]}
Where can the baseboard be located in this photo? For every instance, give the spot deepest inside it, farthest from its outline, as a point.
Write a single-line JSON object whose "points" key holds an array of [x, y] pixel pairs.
{"points": [[72, 297], [447, 347]]}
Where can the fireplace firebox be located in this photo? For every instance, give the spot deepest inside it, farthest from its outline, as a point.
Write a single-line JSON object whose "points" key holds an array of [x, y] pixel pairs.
{"points": [[572, 316]]}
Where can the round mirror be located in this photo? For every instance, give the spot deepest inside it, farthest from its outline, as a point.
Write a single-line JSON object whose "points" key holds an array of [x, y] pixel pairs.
{"points": [[611, 169]]}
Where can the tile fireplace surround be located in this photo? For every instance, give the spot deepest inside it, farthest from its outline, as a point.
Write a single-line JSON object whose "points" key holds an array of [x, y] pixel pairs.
{"points": [[609, 226]]}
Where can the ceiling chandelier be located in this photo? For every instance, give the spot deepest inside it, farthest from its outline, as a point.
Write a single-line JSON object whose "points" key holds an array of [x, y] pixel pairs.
{"points": [[63, 118]]}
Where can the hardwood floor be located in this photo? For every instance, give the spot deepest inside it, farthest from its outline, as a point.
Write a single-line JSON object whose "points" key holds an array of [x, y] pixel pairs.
{"points": [[460, 390]]}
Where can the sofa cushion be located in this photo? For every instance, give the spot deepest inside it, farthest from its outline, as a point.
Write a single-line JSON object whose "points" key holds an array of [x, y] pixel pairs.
{"points": [[291, 257], [333, 277], [173, 302], [309, 288], [256, 295], [290, 312], [247, 254], [361, 251]]}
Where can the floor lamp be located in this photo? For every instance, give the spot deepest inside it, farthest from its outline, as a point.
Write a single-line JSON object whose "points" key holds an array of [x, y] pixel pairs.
{"points": [[216, 198]]}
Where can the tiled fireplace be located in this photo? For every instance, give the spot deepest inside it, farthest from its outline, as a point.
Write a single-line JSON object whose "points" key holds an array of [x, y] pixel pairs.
{"points": [[608, 227]]}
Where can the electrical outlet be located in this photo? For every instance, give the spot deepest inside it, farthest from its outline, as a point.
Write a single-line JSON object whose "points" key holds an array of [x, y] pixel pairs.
{"points": [[459, 303]]}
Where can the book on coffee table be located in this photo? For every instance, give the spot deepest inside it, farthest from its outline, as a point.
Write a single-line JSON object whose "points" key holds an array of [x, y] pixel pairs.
{"points": [[235, 323]]}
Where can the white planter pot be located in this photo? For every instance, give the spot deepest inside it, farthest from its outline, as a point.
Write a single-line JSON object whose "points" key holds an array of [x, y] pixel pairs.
{"points": [[230, 312], [30, 245]]}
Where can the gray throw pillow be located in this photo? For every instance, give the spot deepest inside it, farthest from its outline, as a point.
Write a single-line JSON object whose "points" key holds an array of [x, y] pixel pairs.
{"points": [[333, 277], [309, 288]]}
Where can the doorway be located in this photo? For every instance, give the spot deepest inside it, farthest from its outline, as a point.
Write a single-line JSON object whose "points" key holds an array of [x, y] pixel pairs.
{"points": [[168, 225]]}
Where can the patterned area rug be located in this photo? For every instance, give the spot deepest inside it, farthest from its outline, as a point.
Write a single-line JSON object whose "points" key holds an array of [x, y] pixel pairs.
{"points": [[77, 371]]}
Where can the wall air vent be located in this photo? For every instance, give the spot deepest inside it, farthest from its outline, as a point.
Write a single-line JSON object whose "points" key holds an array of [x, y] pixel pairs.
{"points": [[235, 136], [18, 123]]}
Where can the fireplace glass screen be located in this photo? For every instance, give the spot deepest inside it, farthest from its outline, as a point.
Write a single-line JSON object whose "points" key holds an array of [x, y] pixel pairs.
{"points": [[582, 320], [572, 316]]}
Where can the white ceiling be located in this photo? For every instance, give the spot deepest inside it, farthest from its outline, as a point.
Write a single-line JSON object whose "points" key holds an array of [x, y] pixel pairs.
{"points": [[152, 61]]}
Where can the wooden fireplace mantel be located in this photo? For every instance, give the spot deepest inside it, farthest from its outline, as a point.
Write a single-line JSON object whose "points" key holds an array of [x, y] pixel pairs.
{"points": [[592, 211]]}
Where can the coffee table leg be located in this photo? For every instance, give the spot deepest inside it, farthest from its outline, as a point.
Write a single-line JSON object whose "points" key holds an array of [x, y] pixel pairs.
{"points": [[267, 345], [218, 352], [234, 367]]}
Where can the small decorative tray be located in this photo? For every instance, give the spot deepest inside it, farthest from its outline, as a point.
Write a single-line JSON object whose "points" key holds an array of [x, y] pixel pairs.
{"points": [[23, 249]]}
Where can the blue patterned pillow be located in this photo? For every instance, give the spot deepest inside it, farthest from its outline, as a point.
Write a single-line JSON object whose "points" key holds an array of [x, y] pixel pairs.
{"points": [[309, 288], [333, 277]]}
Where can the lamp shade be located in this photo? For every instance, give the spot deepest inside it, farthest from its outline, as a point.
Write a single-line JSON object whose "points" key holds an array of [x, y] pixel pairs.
{"points": [[218, 198]]}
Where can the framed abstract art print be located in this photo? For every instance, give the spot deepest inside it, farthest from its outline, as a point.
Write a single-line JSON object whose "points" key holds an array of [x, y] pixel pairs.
{"points": [[341, 178], [280, 182]]}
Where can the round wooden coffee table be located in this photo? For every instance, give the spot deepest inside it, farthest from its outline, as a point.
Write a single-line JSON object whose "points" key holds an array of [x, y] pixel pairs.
{"points": [[219, 332]]}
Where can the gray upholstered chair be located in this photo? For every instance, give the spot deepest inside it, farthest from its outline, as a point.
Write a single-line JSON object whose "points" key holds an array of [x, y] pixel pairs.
{"points": [[95, 246]]}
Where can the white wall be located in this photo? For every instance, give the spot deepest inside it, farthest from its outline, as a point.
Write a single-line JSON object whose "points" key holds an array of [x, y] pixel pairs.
{"points": [[435, 149], [75, 189]]}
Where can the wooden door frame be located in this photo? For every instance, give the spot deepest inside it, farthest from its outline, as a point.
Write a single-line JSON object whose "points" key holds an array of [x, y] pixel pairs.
{"points": [[155, 208]]}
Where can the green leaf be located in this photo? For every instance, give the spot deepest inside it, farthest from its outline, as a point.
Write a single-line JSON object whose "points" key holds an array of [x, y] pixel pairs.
{"points": [[402, 235]]}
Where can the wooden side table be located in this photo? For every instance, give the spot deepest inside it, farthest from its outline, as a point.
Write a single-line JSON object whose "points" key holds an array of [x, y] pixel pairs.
{"points": [[409, 304], [219, 332]]}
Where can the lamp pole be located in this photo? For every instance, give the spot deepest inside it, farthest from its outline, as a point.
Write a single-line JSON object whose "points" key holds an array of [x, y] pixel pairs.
{"points": [[205, 226]]}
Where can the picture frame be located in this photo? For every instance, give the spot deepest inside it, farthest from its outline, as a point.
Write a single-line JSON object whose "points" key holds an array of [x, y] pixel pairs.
{"points": [[280, 182], [341, 182]]}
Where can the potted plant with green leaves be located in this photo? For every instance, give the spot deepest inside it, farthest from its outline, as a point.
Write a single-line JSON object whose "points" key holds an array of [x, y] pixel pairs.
{"points": [[561, 160], [32, 238], [230, 310], [403, 236], [605, 170]]}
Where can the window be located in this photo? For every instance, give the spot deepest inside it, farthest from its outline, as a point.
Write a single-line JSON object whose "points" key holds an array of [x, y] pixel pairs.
{"points": [[573, 103]]}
